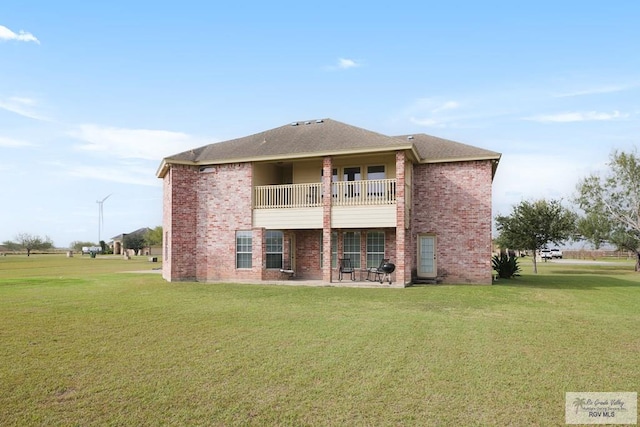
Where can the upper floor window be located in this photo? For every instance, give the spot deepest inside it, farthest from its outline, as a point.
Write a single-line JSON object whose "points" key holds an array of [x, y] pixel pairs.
{"points": [[376, 172], [352, 174], [376, 188], [352, 189]]}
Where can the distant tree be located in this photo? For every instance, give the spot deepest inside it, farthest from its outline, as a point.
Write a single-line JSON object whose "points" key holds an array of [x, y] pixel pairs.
{"points": [[12, 246], [134, 241], [595, 228], [105, 248], [532, 225], [612, 202], [153, 237], [30, 242]]}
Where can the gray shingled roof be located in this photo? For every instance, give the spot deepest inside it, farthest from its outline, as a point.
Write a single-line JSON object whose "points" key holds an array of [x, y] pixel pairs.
{"points": [[142, 230], [433, 149], [316, 138]]}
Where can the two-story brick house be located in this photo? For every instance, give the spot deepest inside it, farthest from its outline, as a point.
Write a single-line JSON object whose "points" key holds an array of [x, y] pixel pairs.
{"points": [[302, 196]]}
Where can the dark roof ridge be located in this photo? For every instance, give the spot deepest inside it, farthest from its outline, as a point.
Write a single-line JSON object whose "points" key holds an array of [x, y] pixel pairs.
{"points": [[322, 137]]}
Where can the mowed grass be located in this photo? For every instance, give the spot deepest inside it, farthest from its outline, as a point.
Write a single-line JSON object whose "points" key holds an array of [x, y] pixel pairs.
{"points": [[83, 343]]}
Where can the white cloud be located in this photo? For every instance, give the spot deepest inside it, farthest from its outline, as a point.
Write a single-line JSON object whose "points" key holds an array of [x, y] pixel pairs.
{"points": [[449, 105], [14, 143], [136, 172], [125, 174], [134, 143], [536, 176], [23, 106], [22, 36], [347, 63], [433, 105], [344, 64], [577, 117], [432, 112]]}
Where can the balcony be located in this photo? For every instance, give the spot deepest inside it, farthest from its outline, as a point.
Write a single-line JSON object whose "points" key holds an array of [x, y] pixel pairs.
{"points": [[375, 192]]}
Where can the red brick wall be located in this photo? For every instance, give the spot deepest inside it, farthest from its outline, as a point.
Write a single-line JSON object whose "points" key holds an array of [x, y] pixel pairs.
{"points": [[202, 211], [453, 201], [308, 254], [179, 223], [224, 206], [402, 261], [166, 226]]}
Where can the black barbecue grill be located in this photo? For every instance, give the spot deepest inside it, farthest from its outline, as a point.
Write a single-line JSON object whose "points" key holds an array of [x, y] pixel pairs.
{"points": [[387, 268], [382, 272]]}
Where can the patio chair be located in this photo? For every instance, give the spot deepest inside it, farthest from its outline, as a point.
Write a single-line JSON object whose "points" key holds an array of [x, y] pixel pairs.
{"points": [[346, 268], [376, 274]]}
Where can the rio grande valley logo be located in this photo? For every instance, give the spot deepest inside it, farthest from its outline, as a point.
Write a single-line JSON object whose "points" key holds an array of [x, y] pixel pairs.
{"points": [[601, 408]]}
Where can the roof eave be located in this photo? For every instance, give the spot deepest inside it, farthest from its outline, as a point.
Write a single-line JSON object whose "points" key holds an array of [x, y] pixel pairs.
{"points": [[162, 169], [164, 166], [462, 159], [166, 163], [494, 167]]}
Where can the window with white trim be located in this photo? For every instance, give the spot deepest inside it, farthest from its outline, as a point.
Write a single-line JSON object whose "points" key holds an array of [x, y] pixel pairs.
{"points": [[349, 175], [351, 247], [244, 252], [376, 172], [375, 248], [274, 248]]}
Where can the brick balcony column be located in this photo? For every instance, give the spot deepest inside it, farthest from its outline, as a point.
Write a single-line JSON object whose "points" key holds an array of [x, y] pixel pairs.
{"points": [[403, 271], [327, 169]]}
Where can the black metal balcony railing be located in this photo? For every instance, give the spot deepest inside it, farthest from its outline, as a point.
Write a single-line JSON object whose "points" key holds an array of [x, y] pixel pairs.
{"points": [[344, 193]]}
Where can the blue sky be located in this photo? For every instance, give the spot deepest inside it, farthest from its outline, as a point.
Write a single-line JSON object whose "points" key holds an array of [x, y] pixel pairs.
{"points": [[93, 96]]}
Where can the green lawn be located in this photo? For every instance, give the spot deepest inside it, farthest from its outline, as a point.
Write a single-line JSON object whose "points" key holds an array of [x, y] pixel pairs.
{"points": [[84, 343]]}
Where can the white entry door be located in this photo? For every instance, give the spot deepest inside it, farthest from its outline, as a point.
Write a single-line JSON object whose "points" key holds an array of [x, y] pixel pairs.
{"points": [[427, 256]]}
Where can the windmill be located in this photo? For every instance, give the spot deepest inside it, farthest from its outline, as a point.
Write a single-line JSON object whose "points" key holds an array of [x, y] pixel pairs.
{"points": [[101, 217]]}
